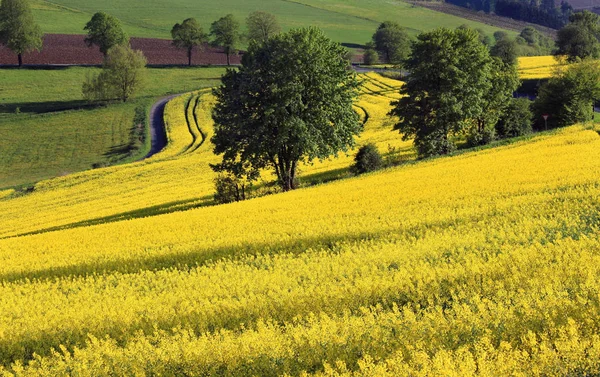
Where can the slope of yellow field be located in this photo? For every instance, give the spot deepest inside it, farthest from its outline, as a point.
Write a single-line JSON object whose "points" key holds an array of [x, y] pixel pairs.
{"points": [[177, 178], [480, 264], [538, 67]]}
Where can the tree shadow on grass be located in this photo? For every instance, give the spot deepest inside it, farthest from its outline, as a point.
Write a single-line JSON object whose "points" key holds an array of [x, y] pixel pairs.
{"points": [[353, 45], [46, 106], [117, 152]]}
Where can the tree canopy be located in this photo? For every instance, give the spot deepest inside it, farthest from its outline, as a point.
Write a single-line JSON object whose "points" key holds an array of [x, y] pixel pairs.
{"points": [[290, 101], [568, 97], [579, 39], [226, 33], [18, 30], [105, 32], [504, 80], [506, 50], [448, 88], [122, 74], [188, 35], [392, 41], [261, 26]]}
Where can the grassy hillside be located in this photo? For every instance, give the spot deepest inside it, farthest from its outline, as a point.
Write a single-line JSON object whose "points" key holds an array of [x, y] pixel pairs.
{"points": [[348, 21], [48, 130], [477, 265]]}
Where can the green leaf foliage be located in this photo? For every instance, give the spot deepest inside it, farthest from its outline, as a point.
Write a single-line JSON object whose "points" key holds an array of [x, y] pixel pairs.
{"points": [[579, 39], [448, 87], [262, 26], [569, 96], [516, 120], [122, 75], [18, 30], [507, 50], [393, 42], [226, 33], [188, 35], [105, 32], [290, 101], [504, 80], [367, 159]]}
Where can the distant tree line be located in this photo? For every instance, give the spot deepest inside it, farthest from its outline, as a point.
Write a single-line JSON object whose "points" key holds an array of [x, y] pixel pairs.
{"points": [[544, 12], [225, 32], [391, 44]]}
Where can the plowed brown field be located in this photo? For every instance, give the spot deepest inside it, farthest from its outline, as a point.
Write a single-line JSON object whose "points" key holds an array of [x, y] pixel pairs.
{"points": [[71, 49]]}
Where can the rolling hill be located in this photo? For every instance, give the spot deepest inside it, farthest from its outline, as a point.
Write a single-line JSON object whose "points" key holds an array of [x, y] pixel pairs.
{"points": [[479, 264], [349, 21]]}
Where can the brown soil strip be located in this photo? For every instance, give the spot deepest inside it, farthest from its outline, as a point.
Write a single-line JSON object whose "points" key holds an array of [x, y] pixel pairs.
{"points": [[63, 49]]}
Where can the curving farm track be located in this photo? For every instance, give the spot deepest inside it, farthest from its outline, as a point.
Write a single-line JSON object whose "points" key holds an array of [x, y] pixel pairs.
{"points": [[158, 134]]}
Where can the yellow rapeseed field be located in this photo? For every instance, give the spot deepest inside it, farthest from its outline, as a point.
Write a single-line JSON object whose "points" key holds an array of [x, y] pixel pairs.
{"points": [[482, 264], [538, 67]]}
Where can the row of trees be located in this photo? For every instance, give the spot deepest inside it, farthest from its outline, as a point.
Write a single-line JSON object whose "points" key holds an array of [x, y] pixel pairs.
{"points": [[105, 31], [392, 44], [20, 33], [226, 32], [577, 40]]}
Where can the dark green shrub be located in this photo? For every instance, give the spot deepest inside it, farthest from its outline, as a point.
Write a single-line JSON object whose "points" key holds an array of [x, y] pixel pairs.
{"points": [[229, 189], [484, 137], [516, 120], [367, 159], [370, 57]]}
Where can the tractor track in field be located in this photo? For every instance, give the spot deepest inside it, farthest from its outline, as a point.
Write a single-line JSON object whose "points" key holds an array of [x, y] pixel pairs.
{"points": [[158, 132]]}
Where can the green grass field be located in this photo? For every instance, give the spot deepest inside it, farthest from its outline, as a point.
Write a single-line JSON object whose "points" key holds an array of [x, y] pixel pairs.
{"points": [[346, 21], [48, 130]]}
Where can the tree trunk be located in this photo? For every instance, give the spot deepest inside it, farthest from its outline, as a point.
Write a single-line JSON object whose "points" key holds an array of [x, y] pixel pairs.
{"points": [[227, 53], [190, 56], [289, 175], [20, 56]]}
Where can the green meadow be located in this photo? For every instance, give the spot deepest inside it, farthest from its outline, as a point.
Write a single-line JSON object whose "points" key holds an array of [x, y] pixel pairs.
{"points": [[346, 21], [48, 130]]}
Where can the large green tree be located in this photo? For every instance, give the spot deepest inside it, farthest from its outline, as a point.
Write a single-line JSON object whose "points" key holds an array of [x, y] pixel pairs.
{"points": [[579, 38], [504, 80], [123, 72], [290, 101], [18, 30], [104, 31], [392, 41], [569, 96], [226, 33], [261, 26], [188, 35], [446, 90]]}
